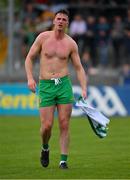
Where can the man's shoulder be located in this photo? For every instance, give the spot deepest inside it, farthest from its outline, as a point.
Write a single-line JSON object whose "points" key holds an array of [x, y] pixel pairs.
{"points": [[45, 34], [71, 40]]}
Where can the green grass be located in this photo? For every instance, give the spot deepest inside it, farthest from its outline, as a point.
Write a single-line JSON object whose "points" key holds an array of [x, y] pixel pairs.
{"points": [[90, 157]]}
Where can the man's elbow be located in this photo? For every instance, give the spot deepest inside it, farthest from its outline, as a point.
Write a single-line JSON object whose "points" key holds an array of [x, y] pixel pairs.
{"points": [[79, 69], [28, 58]]}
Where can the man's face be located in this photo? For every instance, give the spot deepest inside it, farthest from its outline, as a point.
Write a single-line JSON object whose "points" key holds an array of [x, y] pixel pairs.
{"points": [[61, 21]]}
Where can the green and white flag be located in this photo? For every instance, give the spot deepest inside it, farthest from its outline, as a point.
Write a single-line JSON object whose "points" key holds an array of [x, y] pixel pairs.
{"points": [[96, 119]]}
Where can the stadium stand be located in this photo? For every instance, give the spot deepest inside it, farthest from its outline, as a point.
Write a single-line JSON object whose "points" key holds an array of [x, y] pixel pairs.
{"points": [[104, 34]]}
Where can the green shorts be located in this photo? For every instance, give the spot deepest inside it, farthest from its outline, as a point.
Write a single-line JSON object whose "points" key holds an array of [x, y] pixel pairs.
{"points": [[55, 91]]}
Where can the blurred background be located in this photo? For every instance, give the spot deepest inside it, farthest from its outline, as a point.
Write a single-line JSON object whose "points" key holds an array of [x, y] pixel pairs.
{"points": [[102, 32]]}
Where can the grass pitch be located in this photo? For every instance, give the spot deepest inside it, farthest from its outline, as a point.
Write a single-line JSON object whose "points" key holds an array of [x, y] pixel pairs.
{"points": [[90, 157]]}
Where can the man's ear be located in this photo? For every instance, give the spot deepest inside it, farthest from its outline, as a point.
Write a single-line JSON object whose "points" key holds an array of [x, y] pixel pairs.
{"points": [[67, 23]]}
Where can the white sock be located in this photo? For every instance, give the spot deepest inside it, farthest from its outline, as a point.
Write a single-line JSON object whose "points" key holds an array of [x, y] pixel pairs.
{"points": [[62, 162]]}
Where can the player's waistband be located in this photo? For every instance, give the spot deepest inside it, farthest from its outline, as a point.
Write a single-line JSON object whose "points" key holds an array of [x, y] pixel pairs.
{"points": [[52, 80]]}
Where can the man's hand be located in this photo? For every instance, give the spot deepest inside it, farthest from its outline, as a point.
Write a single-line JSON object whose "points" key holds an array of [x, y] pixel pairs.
{"points": [[32, 85], [84, 94]]}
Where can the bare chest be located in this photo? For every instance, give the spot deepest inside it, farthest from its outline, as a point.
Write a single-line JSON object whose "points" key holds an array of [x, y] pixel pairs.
{"points": [[53, 48]]}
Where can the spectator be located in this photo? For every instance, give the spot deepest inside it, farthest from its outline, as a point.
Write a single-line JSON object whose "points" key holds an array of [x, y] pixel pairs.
{"points": [[28, 35], [127, 45], [103, 40], [78, 30], [90, 38], [127, 19], [29, 12], [117, 34]]}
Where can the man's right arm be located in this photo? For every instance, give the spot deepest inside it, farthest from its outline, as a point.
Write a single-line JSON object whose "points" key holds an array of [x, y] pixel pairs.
{"points": [[79, 69], [33, 52]]}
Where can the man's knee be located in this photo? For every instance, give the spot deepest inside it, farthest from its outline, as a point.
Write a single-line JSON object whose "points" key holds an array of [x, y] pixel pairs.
{"points": [[64, 124], [46, 127]]}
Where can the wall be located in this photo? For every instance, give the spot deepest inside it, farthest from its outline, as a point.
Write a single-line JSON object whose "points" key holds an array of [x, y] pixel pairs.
{"points": [[16, 99]]}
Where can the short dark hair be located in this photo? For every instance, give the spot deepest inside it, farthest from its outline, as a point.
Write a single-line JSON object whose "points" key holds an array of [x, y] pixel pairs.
{"points": [[63, 11]]}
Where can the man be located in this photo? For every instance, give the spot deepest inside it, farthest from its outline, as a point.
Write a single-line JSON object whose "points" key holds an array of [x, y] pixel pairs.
{"points": [[55, 89]]}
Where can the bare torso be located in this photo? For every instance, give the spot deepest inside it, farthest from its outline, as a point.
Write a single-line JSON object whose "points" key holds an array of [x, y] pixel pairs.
{"points": [[55, 47], [54, 56]]}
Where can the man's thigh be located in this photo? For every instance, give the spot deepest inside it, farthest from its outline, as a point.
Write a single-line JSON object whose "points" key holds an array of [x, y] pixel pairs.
{"points": [[47, 114], [64, 111]]}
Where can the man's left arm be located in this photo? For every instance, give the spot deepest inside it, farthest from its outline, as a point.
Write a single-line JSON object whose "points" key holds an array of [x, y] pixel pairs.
{"points": [[79, 69]]}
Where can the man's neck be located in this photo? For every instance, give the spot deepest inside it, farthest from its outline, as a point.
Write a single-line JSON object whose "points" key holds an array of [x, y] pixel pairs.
{"points": [[59, 34]]}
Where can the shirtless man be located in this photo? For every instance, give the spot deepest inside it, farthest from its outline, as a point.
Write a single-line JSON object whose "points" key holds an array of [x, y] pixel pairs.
{"points": [[55, 89]]}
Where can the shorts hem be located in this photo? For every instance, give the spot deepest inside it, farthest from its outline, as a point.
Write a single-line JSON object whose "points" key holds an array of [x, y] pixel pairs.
{"points": [[47, 105], [67, 102]]}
